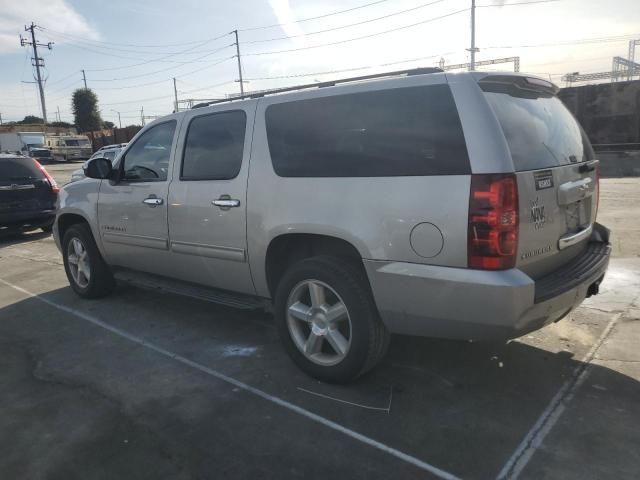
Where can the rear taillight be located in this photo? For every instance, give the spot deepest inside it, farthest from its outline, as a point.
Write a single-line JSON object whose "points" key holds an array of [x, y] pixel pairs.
{"points": [[493, 222], [52, 182]]}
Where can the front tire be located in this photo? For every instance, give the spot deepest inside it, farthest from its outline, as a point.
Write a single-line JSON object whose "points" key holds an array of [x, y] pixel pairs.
{"points": [[328, 321], [88, 274]]}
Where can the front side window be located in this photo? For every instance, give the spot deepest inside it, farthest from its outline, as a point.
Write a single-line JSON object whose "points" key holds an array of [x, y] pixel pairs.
{"points": [[214, 146], [148, 158], [410, 131]]}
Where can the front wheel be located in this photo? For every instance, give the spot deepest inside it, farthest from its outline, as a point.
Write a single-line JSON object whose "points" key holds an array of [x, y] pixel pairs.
{"points": [[88, 274], [328, 321]]}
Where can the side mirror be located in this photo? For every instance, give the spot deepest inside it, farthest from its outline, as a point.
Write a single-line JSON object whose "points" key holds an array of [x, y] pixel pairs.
{"points": [[99, 167]]}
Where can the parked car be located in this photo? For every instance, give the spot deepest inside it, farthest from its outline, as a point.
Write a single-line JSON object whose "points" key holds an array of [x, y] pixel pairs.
{"points": [[448, 205], [28, 194], [109, 152], [43, 155]]}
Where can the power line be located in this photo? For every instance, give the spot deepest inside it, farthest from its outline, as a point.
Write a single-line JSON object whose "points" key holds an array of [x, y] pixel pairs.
{"points": [[352, 69], [349, 25], [580, 41], [86, 40], [80, 40], [312, 18], [359, 38], [497, 5], [166, 69], [164, 79], [147, 61]]}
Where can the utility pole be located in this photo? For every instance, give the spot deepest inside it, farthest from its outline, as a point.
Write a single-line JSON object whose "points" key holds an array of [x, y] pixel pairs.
{"points": [[142, 116], [84, 79], [37, 62], [235, 32], [119, 120], [0, 118], [175, 93], [473, 49]]}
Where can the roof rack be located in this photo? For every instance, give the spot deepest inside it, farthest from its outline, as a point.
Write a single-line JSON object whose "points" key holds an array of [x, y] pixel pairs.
{"points": [[331, 83]]}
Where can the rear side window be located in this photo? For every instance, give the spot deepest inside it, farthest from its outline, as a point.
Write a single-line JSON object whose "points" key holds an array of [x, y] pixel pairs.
{"points": [[214, 146], [410, 131], [14, 169], [539, 130]]}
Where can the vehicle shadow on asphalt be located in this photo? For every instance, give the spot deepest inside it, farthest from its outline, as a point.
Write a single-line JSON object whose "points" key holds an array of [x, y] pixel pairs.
{"points": [[8, 238], [461, 406]]}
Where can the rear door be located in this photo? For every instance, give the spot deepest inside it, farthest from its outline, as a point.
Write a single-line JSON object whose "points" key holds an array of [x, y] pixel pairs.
{"points": [[208, 199], [23, 188], [555, 169]]}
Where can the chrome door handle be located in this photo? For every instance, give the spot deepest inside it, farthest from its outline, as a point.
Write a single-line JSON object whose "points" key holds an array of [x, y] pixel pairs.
{"points": [[226, 202], [152, 201]]}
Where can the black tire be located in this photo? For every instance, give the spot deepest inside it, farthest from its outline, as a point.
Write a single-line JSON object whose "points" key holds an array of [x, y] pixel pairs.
{"points": [[101, 281], [369, 336]]}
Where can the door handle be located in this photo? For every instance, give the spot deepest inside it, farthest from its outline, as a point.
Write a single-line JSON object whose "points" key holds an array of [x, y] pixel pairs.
{"points": [[225, 202], [152, 201]]}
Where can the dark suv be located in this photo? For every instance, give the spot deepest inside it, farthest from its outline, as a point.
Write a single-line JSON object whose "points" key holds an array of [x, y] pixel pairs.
{"points": [[28, 194]]}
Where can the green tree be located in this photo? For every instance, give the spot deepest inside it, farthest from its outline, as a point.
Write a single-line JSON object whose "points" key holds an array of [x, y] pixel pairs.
{"points": [[84, 104], [30, 119], [108, 124], [61, 124]]}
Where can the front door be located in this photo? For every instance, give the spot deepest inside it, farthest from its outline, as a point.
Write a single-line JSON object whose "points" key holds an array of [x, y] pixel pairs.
{"points": [[207, 200], [132, 209]]}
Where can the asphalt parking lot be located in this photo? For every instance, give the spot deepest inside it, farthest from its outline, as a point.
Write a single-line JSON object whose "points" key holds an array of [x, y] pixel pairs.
{"points": [[148, 385]]}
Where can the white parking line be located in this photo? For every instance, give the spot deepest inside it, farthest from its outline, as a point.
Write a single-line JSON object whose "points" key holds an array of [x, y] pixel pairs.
{"points": [[549, 417], [248, 388]]}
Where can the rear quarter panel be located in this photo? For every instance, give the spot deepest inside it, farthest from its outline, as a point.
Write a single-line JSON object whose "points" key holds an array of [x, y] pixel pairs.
{"points": [[375, 214]]}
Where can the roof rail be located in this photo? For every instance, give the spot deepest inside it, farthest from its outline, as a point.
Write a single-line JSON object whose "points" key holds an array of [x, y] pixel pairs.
{"points": [[331, 83]]}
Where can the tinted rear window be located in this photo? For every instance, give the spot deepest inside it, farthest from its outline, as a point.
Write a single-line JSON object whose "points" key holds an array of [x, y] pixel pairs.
{"points": [[398, 132], [14, 169], [539, 129]]}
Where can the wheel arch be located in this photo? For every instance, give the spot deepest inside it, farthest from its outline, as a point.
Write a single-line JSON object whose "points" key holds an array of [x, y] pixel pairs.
{"points": [[286, 249], [66, 219]]}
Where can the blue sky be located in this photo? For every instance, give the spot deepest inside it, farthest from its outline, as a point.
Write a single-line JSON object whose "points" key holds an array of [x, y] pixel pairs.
{"points": [[131, 50]]}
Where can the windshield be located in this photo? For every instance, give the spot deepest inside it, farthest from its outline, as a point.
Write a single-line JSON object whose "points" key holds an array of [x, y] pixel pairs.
{"points": [[539, 129], [33, 140], [77, 143]]}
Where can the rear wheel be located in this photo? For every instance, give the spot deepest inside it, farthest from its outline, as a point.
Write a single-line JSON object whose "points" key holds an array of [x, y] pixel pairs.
{"points": [[328, 321], [88, 274]]}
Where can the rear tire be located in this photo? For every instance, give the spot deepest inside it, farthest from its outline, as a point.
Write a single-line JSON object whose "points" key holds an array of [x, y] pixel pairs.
{"points": [[330, 347], [88, 274]]}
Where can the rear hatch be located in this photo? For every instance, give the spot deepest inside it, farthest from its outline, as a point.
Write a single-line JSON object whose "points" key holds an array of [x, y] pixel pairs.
{"points": [[23, 187], [555, 170]]}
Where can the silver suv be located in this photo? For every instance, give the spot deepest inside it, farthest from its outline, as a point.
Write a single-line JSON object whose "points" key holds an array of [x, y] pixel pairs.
{"points": [[447, 205]]}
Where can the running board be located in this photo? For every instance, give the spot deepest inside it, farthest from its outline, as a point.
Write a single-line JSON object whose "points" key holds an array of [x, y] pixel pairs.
{"points": [[155, 282]]}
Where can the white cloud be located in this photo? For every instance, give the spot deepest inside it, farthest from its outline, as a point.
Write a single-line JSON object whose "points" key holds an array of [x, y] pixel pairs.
{"points": [[56, 14]]}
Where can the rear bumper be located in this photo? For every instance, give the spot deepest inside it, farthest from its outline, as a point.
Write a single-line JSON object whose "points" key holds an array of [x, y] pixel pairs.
{"points": [[427, 300], [35, 219]]}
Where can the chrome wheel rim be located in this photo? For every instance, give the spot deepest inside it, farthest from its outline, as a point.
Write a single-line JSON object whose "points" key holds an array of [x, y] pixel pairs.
{"points": [[319, 322], [78, 260]]}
